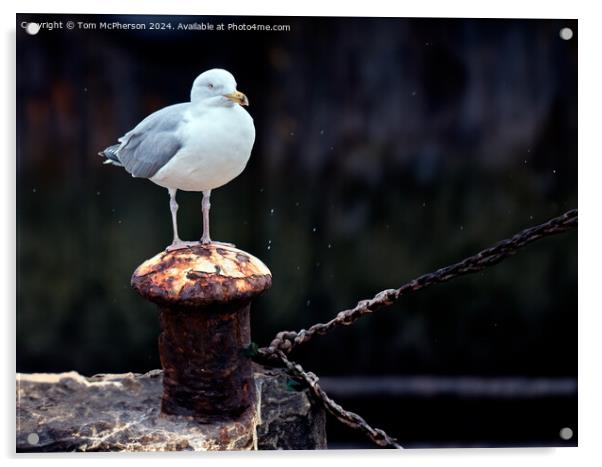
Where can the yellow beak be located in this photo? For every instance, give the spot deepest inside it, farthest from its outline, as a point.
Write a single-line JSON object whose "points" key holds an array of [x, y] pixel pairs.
{"points": [[238, 97]]}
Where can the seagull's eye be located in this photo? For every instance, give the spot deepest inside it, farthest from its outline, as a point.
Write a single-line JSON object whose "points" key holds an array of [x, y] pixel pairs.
{"points": [[210, 86]]}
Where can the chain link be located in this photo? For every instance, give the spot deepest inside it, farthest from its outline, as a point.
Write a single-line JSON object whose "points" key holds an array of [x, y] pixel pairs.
{"points": [[351, 419], [287, 340]]}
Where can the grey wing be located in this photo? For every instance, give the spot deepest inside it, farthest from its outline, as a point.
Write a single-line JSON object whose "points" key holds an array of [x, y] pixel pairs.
{"points": [[152, 143]]}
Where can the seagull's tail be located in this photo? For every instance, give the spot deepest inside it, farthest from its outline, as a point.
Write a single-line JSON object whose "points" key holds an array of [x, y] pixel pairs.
{"points": [[110, 154]]}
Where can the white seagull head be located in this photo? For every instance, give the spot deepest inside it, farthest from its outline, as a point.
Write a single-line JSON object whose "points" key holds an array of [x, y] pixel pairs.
{"points": [[216, 87]]}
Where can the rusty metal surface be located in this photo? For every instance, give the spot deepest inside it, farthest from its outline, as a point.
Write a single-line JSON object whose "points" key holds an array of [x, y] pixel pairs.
{"points": [[201, 276], [207, 374], [204, 294]]}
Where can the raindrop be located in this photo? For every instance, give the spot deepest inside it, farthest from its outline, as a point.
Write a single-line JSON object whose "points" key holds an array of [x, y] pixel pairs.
{"points": [[424, 205], [269, 247], [272, 212], [329, 245], [413, 93], [331, 148], [554, 171], [113, 210], [119, 221], [318, 264], [261, 190], [529, 150], [298, 268], [314, 229], [525, 161], [34, 190], [85, 89], [308, 302], [321, 132], [297, 204], [292, 133], [461, 227], [531, 217]]}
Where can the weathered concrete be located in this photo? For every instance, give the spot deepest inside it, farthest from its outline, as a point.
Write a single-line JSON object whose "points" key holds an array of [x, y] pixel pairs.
{"points": [[69, 412], [289, 419]]}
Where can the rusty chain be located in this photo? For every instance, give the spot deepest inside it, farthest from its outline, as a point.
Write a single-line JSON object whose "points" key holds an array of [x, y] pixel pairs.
{"points": [[285, 341], [352, 420]]}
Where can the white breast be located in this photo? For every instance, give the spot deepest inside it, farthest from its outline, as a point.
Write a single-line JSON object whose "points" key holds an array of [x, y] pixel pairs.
{"points": [[216, 146]]}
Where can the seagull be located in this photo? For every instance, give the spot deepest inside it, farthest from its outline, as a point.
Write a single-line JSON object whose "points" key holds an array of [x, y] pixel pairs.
{"points": [[192, 146]]}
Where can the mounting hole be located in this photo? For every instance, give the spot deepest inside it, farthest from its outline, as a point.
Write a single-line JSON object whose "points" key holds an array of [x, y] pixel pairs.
{"points": [[566, 34], [33, 439], [566, 433], [32, 28]]}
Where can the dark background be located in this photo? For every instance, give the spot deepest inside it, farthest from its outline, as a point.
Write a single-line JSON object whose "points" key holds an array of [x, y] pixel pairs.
{"points": [[385, 148]]}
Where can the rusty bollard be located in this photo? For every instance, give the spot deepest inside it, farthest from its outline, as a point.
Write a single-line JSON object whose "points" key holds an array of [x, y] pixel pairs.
{"points": [[204, 296]]}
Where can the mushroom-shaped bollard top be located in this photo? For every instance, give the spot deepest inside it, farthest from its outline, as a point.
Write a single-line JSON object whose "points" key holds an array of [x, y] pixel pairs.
{"points": [[204, 295], [201, 276]]}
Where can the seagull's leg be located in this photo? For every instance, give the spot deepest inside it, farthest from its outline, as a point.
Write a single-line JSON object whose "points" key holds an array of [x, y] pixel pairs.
{"points": [[205, 206], [173, 206], [177, 244]]}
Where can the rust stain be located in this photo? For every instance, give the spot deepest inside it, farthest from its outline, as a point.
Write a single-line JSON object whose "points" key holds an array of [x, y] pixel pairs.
{"points": [[242, 258], [201, 275], [204, 295], [204, 367], [202, 251], [224, 435]]}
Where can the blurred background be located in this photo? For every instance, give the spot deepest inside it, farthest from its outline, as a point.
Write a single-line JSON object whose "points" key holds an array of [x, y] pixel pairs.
{"points": [[386, 148]]}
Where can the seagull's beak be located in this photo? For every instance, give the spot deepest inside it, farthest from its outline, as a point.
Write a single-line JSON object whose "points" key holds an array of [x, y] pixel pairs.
{"points": [[238, 97]]}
